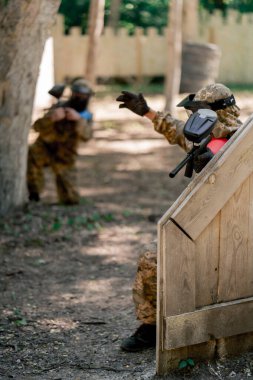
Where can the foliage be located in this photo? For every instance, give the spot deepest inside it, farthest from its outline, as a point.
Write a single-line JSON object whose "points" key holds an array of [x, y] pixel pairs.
{"points": [[75, 13], [17, 318], [39, 224], [3, 3], [224, 5], [186, 363], [143, 13]]}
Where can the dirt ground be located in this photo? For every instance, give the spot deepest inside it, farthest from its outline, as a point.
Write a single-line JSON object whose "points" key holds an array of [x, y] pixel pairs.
{"points": [[66, 272]]}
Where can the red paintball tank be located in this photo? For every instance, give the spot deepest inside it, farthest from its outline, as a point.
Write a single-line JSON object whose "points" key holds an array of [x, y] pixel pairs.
{"points": [[216, 144]]}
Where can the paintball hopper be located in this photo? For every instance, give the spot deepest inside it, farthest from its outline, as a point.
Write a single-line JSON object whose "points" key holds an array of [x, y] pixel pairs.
{"points": [[57, 90], [200, 125], [198, 130]]}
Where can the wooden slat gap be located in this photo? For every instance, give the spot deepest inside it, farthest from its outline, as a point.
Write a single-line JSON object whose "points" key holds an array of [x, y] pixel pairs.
{"points": [[181, 229]]}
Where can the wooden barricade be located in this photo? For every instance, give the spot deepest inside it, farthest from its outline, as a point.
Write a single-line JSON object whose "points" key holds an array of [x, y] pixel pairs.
{"points": [[205, 261]]}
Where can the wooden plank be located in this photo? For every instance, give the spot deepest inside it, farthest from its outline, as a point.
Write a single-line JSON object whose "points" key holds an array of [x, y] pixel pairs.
{"points": [[218, 182], [207, 264], [160, 284], [211, 322], [167, 215], [179, 262], [237, 344], [165, 360], [213, 349], [234, 279], [249, 267], [214, 185], [202, 176]]}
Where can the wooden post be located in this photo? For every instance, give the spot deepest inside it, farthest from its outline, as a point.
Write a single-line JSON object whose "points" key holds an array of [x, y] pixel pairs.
{"points": [[114, 14], [173, 76], [190, 20], [96, 24], [139, 65]]}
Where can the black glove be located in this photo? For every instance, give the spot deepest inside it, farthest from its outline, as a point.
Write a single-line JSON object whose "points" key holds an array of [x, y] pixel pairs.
{"points": [[135, 103], [202, 159]]}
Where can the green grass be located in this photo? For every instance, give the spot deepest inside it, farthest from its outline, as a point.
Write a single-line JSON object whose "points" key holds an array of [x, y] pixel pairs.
{"points": [[116, 88], [242, 87]]}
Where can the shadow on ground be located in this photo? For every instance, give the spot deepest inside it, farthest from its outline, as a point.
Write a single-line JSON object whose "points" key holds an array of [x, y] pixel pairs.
{"points": [[66, 272]]}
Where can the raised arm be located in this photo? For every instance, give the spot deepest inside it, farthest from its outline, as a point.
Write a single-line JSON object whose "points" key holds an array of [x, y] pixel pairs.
{"points": [[164, 123]]}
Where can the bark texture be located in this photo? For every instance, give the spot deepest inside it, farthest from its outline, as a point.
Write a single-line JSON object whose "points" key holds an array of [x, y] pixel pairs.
{"points": [[24, 27], [96, 24], [190, 20], [173, 76], [114, 14]]}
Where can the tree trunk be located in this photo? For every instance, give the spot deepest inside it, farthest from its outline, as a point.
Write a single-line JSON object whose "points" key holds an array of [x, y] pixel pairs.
{"points": [[23, 31], [114, 14], [190, 20], [96, 24], [174, 53]]}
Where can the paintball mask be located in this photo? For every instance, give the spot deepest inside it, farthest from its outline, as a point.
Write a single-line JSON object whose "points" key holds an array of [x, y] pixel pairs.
{"points": [[81, 93], [79, 102], [194, 105]]}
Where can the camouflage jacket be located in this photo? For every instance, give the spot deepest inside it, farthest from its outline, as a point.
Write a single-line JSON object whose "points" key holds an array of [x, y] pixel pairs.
{"points": [[172, 128], [61, 138]]}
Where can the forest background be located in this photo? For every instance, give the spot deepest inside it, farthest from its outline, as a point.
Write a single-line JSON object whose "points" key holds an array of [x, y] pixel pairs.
{"points": [[142, 13]]}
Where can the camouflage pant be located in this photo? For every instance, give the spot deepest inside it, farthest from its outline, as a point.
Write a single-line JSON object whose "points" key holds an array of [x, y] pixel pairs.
{"points": [[39, 158], [145, 285]]}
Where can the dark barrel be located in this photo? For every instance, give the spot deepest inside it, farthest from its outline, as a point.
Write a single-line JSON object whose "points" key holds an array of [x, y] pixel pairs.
{"points": [[200, 66]]}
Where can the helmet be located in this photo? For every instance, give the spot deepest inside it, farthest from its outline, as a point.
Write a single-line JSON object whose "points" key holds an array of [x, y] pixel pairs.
{"points": [[214, 96], [81, 86], [221, 100], [212, 93]]}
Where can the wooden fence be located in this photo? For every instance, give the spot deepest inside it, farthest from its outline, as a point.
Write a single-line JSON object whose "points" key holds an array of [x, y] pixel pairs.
{"points": [[205, 261], [143, 54]]}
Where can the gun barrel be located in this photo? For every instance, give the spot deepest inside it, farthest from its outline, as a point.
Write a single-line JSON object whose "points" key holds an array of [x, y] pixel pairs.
{"points": [[195, 151], [180, 165]]}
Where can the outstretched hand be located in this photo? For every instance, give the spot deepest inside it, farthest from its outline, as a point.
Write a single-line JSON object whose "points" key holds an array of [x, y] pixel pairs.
{"points": [[134, 102]]}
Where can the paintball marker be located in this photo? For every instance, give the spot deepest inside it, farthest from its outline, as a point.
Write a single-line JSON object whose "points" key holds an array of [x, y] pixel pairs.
{"points": [[198, 130], [57, 90]]}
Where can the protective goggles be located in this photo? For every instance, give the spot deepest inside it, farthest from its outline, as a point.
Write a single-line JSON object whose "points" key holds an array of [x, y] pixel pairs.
{"points": [[194, 105], [81, 89]]}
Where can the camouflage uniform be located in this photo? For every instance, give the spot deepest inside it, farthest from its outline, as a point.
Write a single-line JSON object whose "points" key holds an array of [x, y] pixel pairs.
{"points": [[144, 289], [145, 285], [56, 147]]}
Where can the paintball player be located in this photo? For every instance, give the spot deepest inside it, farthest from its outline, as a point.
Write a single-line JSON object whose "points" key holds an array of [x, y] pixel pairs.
{"points": [[218, 98], [60, 131]]}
